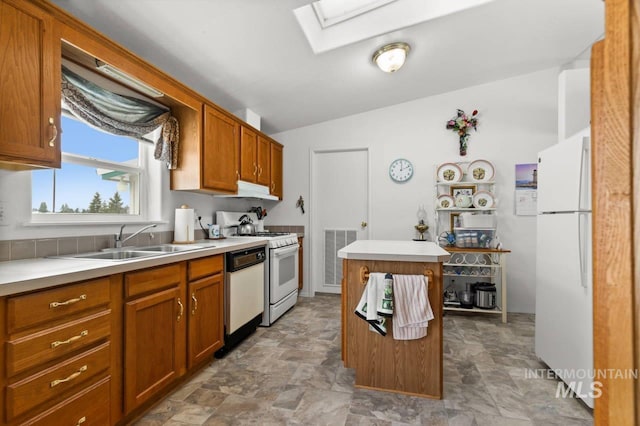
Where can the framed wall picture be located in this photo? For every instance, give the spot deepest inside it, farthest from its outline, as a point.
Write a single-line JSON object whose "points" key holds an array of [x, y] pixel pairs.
{"points": [[454, 221], [465, 190]]}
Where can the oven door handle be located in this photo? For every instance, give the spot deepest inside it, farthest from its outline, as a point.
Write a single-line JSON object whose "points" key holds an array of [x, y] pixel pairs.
{"points": [[284, 251]]}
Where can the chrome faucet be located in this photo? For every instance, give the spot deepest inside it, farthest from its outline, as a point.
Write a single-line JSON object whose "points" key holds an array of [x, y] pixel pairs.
{"points": [[118, 236]]}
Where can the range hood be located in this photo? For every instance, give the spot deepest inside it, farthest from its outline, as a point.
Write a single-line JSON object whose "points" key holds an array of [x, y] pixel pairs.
{"points": [[251, 190]]}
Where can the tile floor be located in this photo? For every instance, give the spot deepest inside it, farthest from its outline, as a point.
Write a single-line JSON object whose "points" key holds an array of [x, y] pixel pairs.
{"points": [[291, 374]]}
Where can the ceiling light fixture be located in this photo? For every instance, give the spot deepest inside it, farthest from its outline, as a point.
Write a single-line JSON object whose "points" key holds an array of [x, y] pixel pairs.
{"points": [[391, 57]]}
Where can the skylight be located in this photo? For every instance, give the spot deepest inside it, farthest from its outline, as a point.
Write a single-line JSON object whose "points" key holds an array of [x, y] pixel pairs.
{"points": [[330, 24], [331, 12]]}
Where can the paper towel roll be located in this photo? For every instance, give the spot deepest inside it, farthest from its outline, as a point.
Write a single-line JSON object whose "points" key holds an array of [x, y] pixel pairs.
{"points": [[183, 230]]}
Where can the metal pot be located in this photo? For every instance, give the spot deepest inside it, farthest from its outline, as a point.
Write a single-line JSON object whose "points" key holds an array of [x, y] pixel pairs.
{"points": [[486, 297], [246, 226]]}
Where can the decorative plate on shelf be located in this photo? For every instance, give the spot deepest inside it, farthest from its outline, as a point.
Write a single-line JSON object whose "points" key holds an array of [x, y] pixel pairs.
{"points": [[480, 171], [445, 202], [449, 172], [483, 200]]}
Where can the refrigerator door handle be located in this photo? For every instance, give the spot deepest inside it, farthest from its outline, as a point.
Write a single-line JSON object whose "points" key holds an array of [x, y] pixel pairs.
{"points": [[584, 150], [581, 250]]}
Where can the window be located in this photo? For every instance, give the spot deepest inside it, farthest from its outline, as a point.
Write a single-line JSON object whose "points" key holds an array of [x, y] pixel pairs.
{"points": [[101, 174]]}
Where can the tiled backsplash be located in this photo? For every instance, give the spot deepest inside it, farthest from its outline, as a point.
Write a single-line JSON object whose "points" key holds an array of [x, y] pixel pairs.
{"points": [[29, 249], [298, 229]]}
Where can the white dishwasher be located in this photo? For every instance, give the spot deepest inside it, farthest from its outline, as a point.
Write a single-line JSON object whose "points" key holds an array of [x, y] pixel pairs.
{"points": [[244, 295]]}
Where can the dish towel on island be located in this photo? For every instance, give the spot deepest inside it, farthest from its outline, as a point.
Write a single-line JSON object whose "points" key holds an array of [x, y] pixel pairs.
{"points": [[412, 311], [377, 293]]}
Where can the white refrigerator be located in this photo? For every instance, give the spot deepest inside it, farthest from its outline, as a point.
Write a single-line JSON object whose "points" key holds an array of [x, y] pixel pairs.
{"points": [[564, 305]]}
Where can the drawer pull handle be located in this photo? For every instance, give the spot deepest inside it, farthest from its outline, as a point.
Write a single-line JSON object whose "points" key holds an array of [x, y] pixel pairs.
{"points": [[68, 302], [52, 141], [181, 309], [195, 304], [57, 343], [81, 421], [71, 377]]}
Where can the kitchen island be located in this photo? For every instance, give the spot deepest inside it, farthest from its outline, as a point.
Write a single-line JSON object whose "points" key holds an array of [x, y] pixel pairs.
{"points": [[412, 367]]}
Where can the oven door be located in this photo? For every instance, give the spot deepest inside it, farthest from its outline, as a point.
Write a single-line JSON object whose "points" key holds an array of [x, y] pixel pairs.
{"points": [[283, 274]]}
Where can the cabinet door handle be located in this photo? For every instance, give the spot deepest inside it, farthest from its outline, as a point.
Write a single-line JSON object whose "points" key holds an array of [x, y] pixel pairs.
{"points": [[255, 169], [71, 377], [52, 123], [181, 309], [57, 343], [68, 302], [195, 303], [81, 420], [259, 170], [273, 186], [237, 175]]}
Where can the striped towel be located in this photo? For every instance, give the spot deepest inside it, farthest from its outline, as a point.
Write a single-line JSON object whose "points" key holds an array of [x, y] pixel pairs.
{"points": [[412, 310]]}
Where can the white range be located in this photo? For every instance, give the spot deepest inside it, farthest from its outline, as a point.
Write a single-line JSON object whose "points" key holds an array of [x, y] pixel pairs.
{"points": [[281, 266]]}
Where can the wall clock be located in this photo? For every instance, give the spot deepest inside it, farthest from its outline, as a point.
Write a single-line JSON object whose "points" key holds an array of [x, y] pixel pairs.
{"points": [[401, 170]]}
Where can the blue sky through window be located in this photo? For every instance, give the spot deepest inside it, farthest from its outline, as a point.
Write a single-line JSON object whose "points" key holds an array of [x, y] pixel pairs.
{"points": [[77, 184]]}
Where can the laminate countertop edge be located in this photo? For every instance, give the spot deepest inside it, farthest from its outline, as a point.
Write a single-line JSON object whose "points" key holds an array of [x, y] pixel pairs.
{"points": [[19, 276]]}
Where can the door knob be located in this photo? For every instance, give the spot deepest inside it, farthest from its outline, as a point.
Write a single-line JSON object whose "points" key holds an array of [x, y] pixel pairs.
{"points": [[363, 224]]}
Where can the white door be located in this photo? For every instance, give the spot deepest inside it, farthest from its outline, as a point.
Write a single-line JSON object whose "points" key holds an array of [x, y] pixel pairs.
{"points": [[339, 211]]}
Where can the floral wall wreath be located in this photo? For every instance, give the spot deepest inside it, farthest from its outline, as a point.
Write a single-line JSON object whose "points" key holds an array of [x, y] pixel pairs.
{"points": [[462, 125]]}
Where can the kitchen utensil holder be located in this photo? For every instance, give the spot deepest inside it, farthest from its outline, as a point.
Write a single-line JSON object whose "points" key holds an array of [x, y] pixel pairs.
{"points": [[364, 276]]}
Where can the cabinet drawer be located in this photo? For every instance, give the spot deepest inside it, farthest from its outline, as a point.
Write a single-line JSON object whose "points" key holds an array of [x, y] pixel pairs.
{"points": [[57, 380], [149, 280], [203, 267], [38, 348], [89, 407], [51, 305]]}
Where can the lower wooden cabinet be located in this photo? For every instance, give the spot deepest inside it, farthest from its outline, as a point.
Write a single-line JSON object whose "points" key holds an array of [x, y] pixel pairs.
{"points": [[100, 352], [300, 264], [62, 350], [89, 407], [155, 337], [206, 301], [206, 330]]}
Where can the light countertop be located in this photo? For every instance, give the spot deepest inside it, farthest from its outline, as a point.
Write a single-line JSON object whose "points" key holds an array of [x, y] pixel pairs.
{"points": [[399, 251], [18, 276]]}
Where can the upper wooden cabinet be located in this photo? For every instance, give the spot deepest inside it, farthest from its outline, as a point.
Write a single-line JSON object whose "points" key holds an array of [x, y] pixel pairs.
{"points": [[254, 157], [264, 161], [220, 151], [276, 170], [29, 86]]}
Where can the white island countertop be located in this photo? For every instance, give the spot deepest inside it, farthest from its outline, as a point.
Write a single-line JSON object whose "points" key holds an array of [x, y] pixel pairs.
{"points": [[398, 251]]}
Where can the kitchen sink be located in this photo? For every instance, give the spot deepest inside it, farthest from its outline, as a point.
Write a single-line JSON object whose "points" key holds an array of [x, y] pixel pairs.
{"points": [[169, 248], [131, 252], [110, 255]]}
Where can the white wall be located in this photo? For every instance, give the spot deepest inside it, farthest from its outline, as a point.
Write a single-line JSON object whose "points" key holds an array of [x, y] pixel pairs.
{"points": [[518, 118], [574, 100]]}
